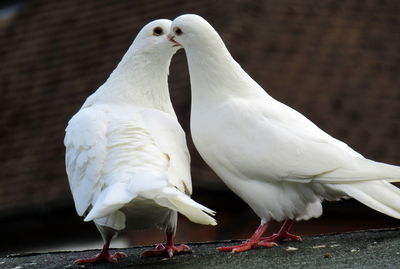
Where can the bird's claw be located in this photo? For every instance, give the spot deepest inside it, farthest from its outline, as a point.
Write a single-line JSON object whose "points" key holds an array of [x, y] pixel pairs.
{"points": [[247, 245], [160, 249], [281, 236], [102, 258]]}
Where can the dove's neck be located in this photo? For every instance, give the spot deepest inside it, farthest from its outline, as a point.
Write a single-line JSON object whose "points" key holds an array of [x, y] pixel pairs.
{"points": [[140, 79], [216, 76]]}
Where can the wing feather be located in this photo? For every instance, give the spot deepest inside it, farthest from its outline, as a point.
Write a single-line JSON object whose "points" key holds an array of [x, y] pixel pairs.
{"points": [[170, 137], [105, 147], [296, 150], [86, 149], [322, 158]]}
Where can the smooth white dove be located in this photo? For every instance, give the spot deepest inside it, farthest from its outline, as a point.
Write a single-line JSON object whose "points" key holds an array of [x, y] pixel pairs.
{"points": [[275, 159], [126, 155]]}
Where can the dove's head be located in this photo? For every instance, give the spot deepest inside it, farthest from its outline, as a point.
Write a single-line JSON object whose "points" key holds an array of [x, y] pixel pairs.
{"points": [[152, 39], [190, 30]]}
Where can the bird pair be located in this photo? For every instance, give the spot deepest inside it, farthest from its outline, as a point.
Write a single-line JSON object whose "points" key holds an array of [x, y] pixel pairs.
{"points": [[128, 164]]}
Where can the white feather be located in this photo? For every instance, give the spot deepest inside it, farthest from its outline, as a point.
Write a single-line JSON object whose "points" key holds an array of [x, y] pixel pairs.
{"points": [[270, 155], [126, 154]]}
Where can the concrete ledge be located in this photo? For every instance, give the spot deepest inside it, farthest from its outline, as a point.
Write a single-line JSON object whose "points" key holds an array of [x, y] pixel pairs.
{"points": [[363, 249]]}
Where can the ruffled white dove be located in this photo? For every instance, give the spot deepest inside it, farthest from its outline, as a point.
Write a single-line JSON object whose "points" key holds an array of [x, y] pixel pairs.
{"points": [[126, 155], [280, 163]]}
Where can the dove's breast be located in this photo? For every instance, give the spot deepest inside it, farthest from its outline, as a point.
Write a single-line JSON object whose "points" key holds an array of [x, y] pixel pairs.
{"points": [[233, 140]]}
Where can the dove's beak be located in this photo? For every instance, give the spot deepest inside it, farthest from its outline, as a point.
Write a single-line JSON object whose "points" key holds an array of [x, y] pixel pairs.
{"points": [[171, 38]]}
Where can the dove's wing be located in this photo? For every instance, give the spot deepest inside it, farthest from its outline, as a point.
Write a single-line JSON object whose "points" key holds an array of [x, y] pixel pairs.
{"points": [[322, 158], [106, 146], [86, 150], [115, 154], [297, 150], [171, 139]]}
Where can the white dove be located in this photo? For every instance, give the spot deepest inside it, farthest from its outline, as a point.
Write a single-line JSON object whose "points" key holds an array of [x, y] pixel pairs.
{"points": [[275, 159], [126, 155]]}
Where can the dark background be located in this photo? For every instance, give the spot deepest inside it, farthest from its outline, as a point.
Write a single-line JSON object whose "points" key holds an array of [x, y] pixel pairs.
{"points": [[337, 62]]}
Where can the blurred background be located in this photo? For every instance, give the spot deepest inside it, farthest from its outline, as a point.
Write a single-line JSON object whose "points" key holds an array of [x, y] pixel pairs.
{"points": [[337, 62]]}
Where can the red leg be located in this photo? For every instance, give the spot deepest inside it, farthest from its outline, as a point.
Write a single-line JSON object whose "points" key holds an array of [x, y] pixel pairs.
{"points": [[282, 234], [168, 249], [103, 256], [253, 242]]}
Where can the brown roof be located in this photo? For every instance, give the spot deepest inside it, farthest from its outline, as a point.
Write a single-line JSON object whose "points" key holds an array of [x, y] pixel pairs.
{"points": [[338, 62]]}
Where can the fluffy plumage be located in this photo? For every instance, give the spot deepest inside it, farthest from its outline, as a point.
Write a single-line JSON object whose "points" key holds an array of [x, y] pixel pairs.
{"points": [[126, 155], [270, 155]]}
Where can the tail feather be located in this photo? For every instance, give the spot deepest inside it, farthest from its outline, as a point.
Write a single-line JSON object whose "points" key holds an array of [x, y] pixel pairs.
{"points": [[379, 195], [110, 200], [152, 186], [176, 200], [360, 170]]}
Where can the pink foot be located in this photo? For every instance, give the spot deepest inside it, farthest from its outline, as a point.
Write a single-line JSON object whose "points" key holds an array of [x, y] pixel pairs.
{"points": [[168, 250], [103, 257], [254, 242], [280, 236], [245, 246]]}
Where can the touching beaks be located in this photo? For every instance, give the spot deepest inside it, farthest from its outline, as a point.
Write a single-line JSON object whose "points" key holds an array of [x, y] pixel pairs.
{"points": [[171, 38]]}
